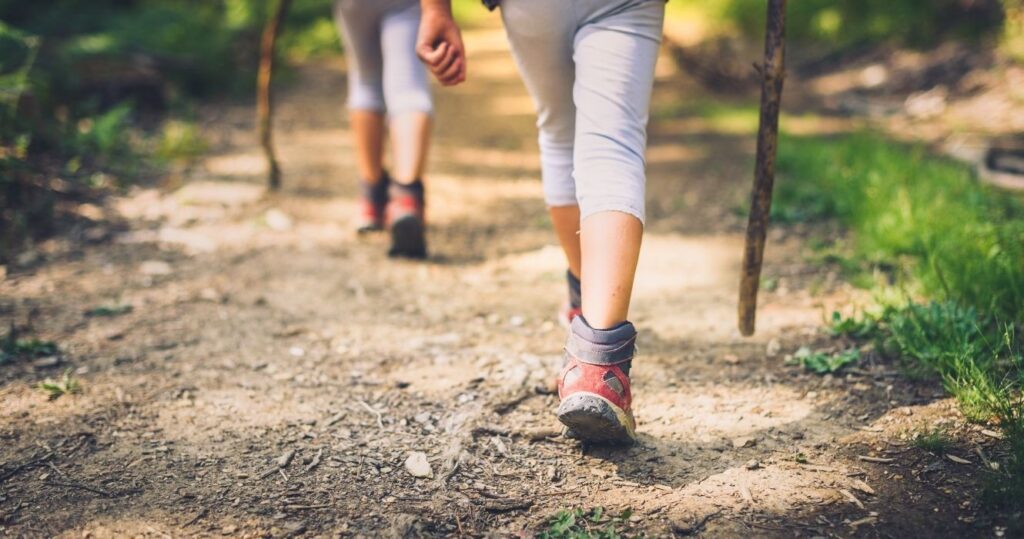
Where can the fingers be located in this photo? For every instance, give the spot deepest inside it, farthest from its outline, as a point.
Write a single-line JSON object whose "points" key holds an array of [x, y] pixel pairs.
{"points": [[446, 62], [432, 56], [454, 74]]}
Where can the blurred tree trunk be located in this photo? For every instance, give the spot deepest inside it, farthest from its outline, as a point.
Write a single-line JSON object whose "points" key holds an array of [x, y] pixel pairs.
{"points": [[264, 106]]}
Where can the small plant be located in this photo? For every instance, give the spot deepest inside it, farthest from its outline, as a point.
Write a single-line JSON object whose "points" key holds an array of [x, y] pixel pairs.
{"points": [[865, 327], [109, 310], [12, 348], [55, 389], [581, 524], [822, 363], [936, 441]]}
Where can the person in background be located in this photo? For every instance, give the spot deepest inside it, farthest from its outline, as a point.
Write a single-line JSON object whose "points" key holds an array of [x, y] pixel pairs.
{"points": [[388, 90], [589, 66]]}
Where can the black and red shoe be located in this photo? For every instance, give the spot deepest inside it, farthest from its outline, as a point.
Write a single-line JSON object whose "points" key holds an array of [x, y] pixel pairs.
{"points": [[573, 305], [406, 220], [373, 205], [596, 400]]}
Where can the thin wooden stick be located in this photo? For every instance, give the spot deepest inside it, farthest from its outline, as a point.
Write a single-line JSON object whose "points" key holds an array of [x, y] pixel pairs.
{"points": [[773, 72], [264, 110]]}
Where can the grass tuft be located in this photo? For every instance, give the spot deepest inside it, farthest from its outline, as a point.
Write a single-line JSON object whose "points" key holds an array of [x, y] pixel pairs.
{"points": [[582, 524], [822, 363], [66, 385], [936, 441]]}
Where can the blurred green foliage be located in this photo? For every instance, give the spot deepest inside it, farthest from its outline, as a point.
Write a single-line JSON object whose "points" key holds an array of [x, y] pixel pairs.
{"points": [[89, 92], [844, 23]]}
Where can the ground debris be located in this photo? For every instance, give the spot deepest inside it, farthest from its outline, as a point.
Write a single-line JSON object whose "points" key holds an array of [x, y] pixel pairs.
{"points": [[417, 465], [285, 459], [507, 504], [876, 460]]}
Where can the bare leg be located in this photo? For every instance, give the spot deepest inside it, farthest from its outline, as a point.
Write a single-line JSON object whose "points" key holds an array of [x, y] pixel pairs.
{"points": [[610, 242], [567, 227], [410, 141], [368, 139]]}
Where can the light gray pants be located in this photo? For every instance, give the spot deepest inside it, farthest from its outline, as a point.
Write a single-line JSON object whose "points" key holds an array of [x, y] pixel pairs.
{"points": [[589, 65], [384, 73]]}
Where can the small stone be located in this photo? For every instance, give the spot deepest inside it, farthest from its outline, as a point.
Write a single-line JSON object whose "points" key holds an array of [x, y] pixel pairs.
{"points": [[296, 351], [230, 529], [277, 220], [773, 348], [517, 321], [417, 465], [284, 460], [46, 362], [752, 464], [743, 441], [155, 267], [294, 528]]}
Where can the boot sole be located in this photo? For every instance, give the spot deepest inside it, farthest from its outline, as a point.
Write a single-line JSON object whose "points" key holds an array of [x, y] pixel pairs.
{"points": [[408, 238], [593, 418]]}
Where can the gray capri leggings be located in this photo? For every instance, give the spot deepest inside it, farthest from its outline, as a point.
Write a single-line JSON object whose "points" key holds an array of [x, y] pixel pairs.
{"points": [[380, 42], [589, 65]]}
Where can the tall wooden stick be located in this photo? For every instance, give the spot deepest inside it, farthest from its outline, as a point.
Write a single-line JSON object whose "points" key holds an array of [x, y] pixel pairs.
{"points": [[264, 110], [773, 72]]}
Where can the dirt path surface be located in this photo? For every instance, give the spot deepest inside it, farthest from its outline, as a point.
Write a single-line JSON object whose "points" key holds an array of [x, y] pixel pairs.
{"points": [[275, 371]]}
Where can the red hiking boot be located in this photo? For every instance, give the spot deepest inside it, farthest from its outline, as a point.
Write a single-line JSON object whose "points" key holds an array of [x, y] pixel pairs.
{"points": [[573, 304], [373, 205], [594, 384], [405, 216]]}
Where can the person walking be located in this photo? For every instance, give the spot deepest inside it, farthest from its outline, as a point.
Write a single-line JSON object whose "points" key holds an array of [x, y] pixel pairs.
{"points": [[388, 90], [589, 66]]}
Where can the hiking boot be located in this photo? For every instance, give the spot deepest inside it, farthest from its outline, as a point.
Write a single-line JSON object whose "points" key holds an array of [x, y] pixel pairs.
{"points": [[373, 204], [405, 215], [594, 384], [573, 304]]}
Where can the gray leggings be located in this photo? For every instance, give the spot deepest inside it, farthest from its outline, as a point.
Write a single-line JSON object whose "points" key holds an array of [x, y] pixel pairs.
{"points": [[589, 65], [380, 43]]}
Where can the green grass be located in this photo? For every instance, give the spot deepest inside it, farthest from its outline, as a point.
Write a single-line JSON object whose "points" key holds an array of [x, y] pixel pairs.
{"points": [[822, 363], [66, 385], [906, 209], [13, 348], [583, 524], [843, 23], [954, 249], [936, 441]]}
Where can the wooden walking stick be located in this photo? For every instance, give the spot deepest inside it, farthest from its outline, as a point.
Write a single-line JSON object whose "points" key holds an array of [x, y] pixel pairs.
{"points": [[773, 74], [264, 110]]}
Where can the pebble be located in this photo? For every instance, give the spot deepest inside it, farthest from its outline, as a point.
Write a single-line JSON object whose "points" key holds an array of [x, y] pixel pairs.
{"points": [[417, 465], [277, 220], [155, 267]]}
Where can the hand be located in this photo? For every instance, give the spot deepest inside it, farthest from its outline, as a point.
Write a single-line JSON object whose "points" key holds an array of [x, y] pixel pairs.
{"points": [[440, 46]]}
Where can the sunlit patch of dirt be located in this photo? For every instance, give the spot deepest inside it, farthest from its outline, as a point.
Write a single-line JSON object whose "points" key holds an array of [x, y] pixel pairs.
{"points": [[702, 413]]}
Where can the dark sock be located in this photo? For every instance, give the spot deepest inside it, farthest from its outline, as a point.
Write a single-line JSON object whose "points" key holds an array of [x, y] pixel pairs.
{"points": [[414, 189], [377, 192], [605, 339], [575, 295]]}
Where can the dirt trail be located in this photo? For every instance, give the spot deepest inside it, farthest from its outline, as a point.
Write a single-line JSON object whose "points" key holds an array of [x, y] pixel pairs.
{"points": [[261, 326]]}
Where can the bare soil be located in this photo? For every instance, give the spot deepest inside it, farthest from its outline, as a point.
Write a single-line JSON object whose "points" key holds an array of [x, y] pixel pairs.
{"points": [[275, 371]]}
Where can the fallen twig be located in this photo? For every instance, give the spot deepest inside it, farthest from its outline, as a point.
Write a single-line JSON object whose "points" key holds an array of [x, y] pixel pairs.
{"points": [[877, 460], [380, 416], [202, 513], [87, 488], [849, 496], [504, 506], [316, 460], [32, 463]]}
